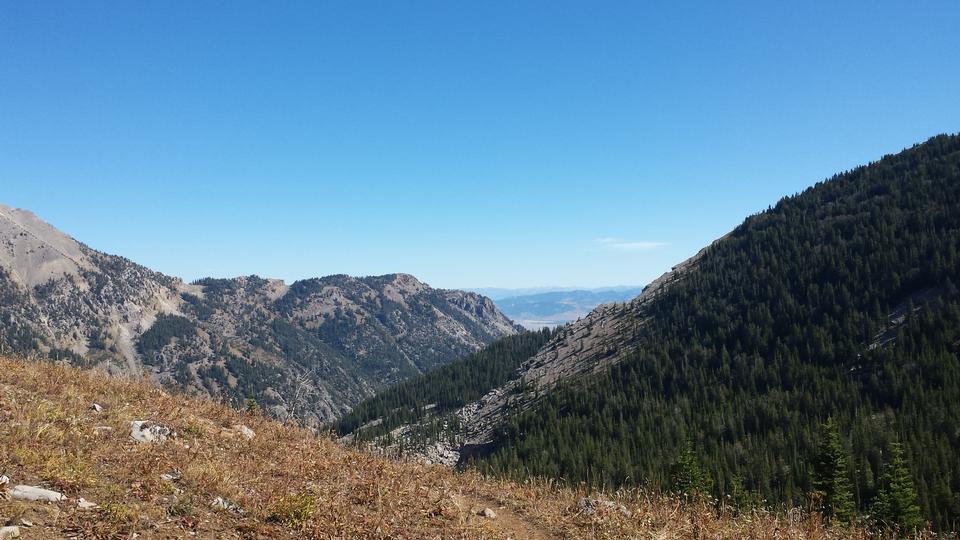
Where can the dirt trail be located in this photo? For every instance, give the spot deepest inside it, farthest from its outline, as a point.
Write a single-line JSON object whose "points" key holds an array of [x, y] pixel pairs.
{"points": [[509, 522]]}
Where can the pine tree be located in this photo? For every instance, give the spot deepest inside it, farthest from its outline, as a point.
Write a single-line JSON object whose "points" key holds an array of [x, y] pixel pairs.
{"points": [[688, 477], [832, 475], [896, 503], [251, 406]]}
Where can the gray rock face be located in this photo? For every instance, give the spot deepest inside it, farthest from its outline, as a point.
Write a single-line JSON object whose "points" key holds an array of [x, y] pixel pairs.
{"points": [[309, 350]]}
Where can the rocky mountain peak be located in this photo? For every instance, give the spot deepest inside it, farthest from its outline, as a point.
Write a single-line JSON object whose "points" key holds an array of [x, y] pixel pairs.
{"points": [[33, 252]]}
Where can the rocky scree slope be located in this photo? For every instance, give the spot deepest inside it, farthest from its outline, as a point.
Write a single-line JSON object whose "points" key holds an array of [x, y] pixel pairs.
{"points": [[308, 350]]}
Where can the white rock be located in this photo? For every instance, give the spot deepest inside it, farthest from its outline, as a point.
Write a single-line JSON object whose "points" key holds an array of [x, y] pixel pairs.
{"points": [[591, 506], [245, 431], [4, 479], [222, 504], [33, 493], [147, 431], [488, 513], [84, 504], [9, 532], [96, 407], [171, 476]]}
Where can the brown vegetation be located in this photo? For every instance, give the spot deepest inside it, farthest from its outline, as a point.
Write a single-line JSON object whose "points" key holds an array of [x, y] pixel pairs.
{"points": [[286, 481]]}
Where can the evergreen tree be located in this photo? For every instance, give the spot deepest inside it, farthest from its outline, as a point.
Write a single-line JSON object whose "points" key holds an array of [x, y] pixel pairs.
{"points": [[896, 504], [688, 477], [832, 485], [251, 406], [741, 498]]}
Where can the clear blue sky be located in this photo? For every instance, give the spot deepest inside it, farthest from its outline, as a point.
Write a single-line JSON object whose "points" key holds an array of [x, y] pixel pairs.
{"points": [[469, 143]]}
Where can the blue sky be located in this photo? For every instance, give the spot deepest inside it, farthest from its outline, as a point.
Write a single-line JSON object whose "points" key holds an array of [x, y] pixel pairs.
{"points": [[472, 144]]}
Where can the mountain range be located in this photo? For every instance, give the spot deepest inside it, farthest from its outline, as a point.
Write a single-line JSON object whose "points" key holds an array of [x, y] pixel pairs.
{"points": [[310, 349]]}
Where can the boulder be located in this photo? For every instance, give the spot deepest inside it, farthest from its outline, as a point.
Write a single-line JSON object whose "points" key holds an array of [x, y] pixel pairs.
{"points": [[33, 493], [9, 532], [146, 431], [488, 513], [237, 430], [246, 432]]}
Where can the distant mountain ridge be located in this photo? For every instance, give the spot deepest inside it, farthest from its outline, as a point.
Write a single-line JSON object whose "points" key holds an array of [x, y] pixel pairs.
{"points": [[499, 293], [550, 309], [311, 349]]}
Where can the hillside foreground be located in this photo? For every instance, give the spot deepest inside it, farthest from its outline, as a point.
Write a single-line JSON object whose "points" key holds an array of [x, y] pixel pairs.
{"points": [[214, 478]]}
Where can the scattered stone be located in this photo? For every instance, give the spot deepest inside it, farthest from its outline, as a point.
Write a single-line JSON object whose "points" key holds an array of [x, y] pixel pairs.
{"points": [[487, 513], [222, 504], [102, 429], [33, 493], [171, 476], [84, 504], [592, 506], [26, 523], [4, 479], [245, 431], [9, 532], [96, 407], [148, 432]]}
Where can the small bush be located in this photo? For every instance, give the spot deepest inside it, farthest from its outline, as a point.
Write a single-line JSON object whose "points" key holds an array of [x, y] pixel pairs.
{"points": [[293, 510], [117, 513]]}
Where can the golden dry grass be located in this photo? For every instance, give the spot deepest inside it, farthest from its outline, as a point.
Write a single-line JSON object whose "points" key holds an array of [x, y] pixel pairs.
{"points": [[288, 482]]}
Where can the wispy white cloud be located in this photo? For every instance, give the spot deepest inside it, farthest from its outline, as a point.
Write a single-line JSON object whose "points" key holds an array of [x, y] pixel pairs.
{"points": [[618, 244]]}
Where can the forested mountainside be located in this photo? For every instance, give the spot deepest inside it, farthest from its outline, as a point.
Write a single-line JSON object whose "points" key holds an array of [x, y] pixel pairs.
{"points": [[839, 303], [309, 350], [430, 402]]}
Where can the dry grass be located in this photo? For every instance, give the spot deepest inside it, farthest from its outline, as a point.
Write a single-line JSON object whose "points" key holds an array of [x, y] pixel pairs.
{"points": [[288, 482]]}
